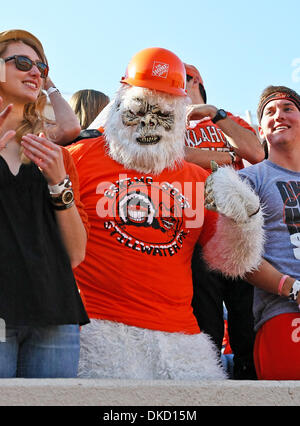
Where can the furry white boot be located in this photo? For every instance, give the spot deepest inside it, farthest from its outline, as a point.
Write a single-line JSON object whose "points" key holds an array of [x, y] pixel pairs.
{"points": [[237, 246], [118, 351]]}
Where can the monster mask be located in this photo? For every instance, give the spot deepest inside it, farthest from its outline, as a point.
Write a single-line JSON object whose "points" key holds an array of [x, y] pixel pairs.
{"points": [[145, 129]]}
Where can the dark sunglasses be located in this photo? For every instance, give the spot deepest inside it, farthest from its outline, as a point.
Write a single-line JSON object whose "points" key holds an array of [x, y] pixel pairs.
{"points": [[188, 77], [25, 64]]}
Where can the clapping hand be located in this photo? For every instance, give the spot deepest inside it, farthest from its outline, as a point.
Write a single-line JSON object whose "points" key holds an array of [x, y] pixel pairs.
{"points": [[46, 155]]}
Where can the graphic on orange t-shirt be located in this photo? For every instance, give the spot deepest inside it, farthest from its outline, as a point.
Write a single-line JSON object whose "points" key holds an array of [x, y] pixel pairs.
{"points": [[148, 214]]}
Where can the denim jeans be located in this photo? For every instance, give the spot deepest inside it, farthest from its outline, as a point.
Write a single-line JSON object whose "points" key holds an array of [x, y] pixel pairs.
{"points": [[40, 352]]}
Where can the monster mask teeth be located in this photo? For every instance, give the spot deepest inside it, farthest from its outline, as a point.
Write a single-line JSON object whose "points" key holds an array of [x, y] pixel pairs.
{"points": [[148, 140]]}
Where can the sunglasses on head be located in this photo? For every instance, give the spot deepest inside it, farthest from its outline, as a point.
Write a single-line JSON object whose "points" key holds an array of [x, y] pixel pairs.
{"points": [[23, 63]]}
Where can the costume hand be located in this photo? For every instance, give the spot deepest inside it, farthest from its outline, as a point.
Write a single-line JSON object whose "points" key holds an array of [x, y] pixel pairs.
{"points": [[197, 112], [10, 133], [46, 155], [229, 195]]}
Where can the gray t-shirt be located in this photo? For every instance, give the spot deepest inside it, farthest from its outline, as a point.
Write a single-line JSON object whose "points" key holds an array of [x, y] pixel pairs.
{"points": [[279, 193]]}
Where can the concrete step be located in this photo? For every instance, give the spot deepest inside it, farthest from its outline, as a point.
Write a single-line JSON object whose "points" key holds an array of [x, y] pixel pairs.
{"points": [[97, 392]]}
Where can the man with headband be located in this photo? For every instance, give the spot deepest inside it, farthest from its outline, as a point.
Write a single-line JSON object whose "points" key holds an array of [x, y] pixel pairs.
{"points": [[213, 134], [277, 182]]}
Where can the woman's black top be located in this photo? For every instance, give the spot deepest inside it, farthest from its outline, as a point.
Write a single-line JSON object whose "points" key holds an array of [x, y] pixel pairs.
{"points": [[37, 286]]}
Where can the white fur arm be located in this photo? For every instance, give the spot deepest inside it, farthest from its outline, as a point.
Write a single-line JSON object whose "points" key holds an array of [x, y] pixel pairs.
{"points": [[237, 245]]}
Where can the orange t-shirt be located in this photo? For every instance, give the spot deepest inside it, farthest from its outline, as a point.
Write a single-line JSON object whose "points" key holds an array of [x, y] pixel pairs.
{"points": [[204, 134], [144, 228]]}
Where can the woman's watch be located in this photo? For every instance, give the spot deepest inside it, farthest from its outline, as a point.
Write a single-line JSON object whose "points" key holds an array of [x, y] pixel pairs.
{"points": [[62, 196], [63, 201]]}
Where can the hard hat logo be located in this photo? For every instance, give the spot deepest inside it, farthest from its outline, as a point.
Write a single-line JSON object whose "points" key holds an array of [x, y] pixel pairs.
{"points": [[160, 69]]}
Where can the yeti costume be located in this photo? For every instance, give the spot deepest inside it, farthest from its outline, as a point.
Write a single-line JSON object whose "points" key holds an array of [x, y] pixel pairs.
{"points": [[146, 210]]}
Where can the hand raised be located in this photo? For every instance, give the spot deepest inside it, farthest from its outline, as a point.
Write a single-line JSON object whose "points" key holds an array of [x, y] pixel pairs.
{"points": [[46, 155], [198, 112]]}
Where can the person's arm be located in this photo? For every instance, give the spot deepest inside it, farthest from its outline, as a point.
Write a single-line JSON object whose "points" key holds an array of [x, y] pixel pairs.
{"points": [[67, 126], [49, 158], [244, 142], [203, 157], [268, 278]]}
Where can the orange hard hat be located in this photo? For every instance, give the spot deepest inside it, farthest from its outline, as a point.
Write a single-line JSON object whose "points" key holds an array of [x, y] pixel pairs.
{"points": [[157, 69], [193, 72]]}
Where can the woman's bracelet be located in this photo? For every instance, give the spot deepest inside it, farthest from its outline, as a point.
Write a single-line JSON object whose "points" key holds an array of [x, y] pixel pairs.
{"points": [[60, 187], [51, 90]]}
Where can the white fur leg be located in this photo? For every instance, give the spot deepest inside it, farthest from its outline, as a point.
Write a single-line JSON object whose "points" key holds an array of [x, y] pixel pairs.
{"points": [[117, 351], [237, 246]]}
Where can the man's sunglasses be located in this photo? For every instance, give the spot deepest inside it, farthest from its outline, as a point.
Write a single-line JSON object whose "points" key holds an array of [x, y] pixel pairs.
{"points": [[25, 64], [188, 77]]}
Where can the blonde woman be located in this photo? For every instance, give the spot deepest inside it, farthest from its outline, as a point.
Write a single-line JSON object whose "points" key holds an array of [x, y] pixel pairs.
{"points": [[43, 225]]}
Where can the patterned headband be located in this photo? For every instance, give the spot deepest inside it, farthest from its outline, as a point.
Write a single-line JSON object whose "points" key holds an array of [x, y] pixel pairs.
{"points": [[293, 97]]}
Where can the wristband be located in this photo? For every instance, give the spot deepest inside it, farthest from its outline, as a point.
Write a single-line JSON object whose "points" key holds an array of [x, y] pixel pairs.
{"points": [[294, 290], [281, 282], [233, 156], [60, 187], [52, 90]]}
